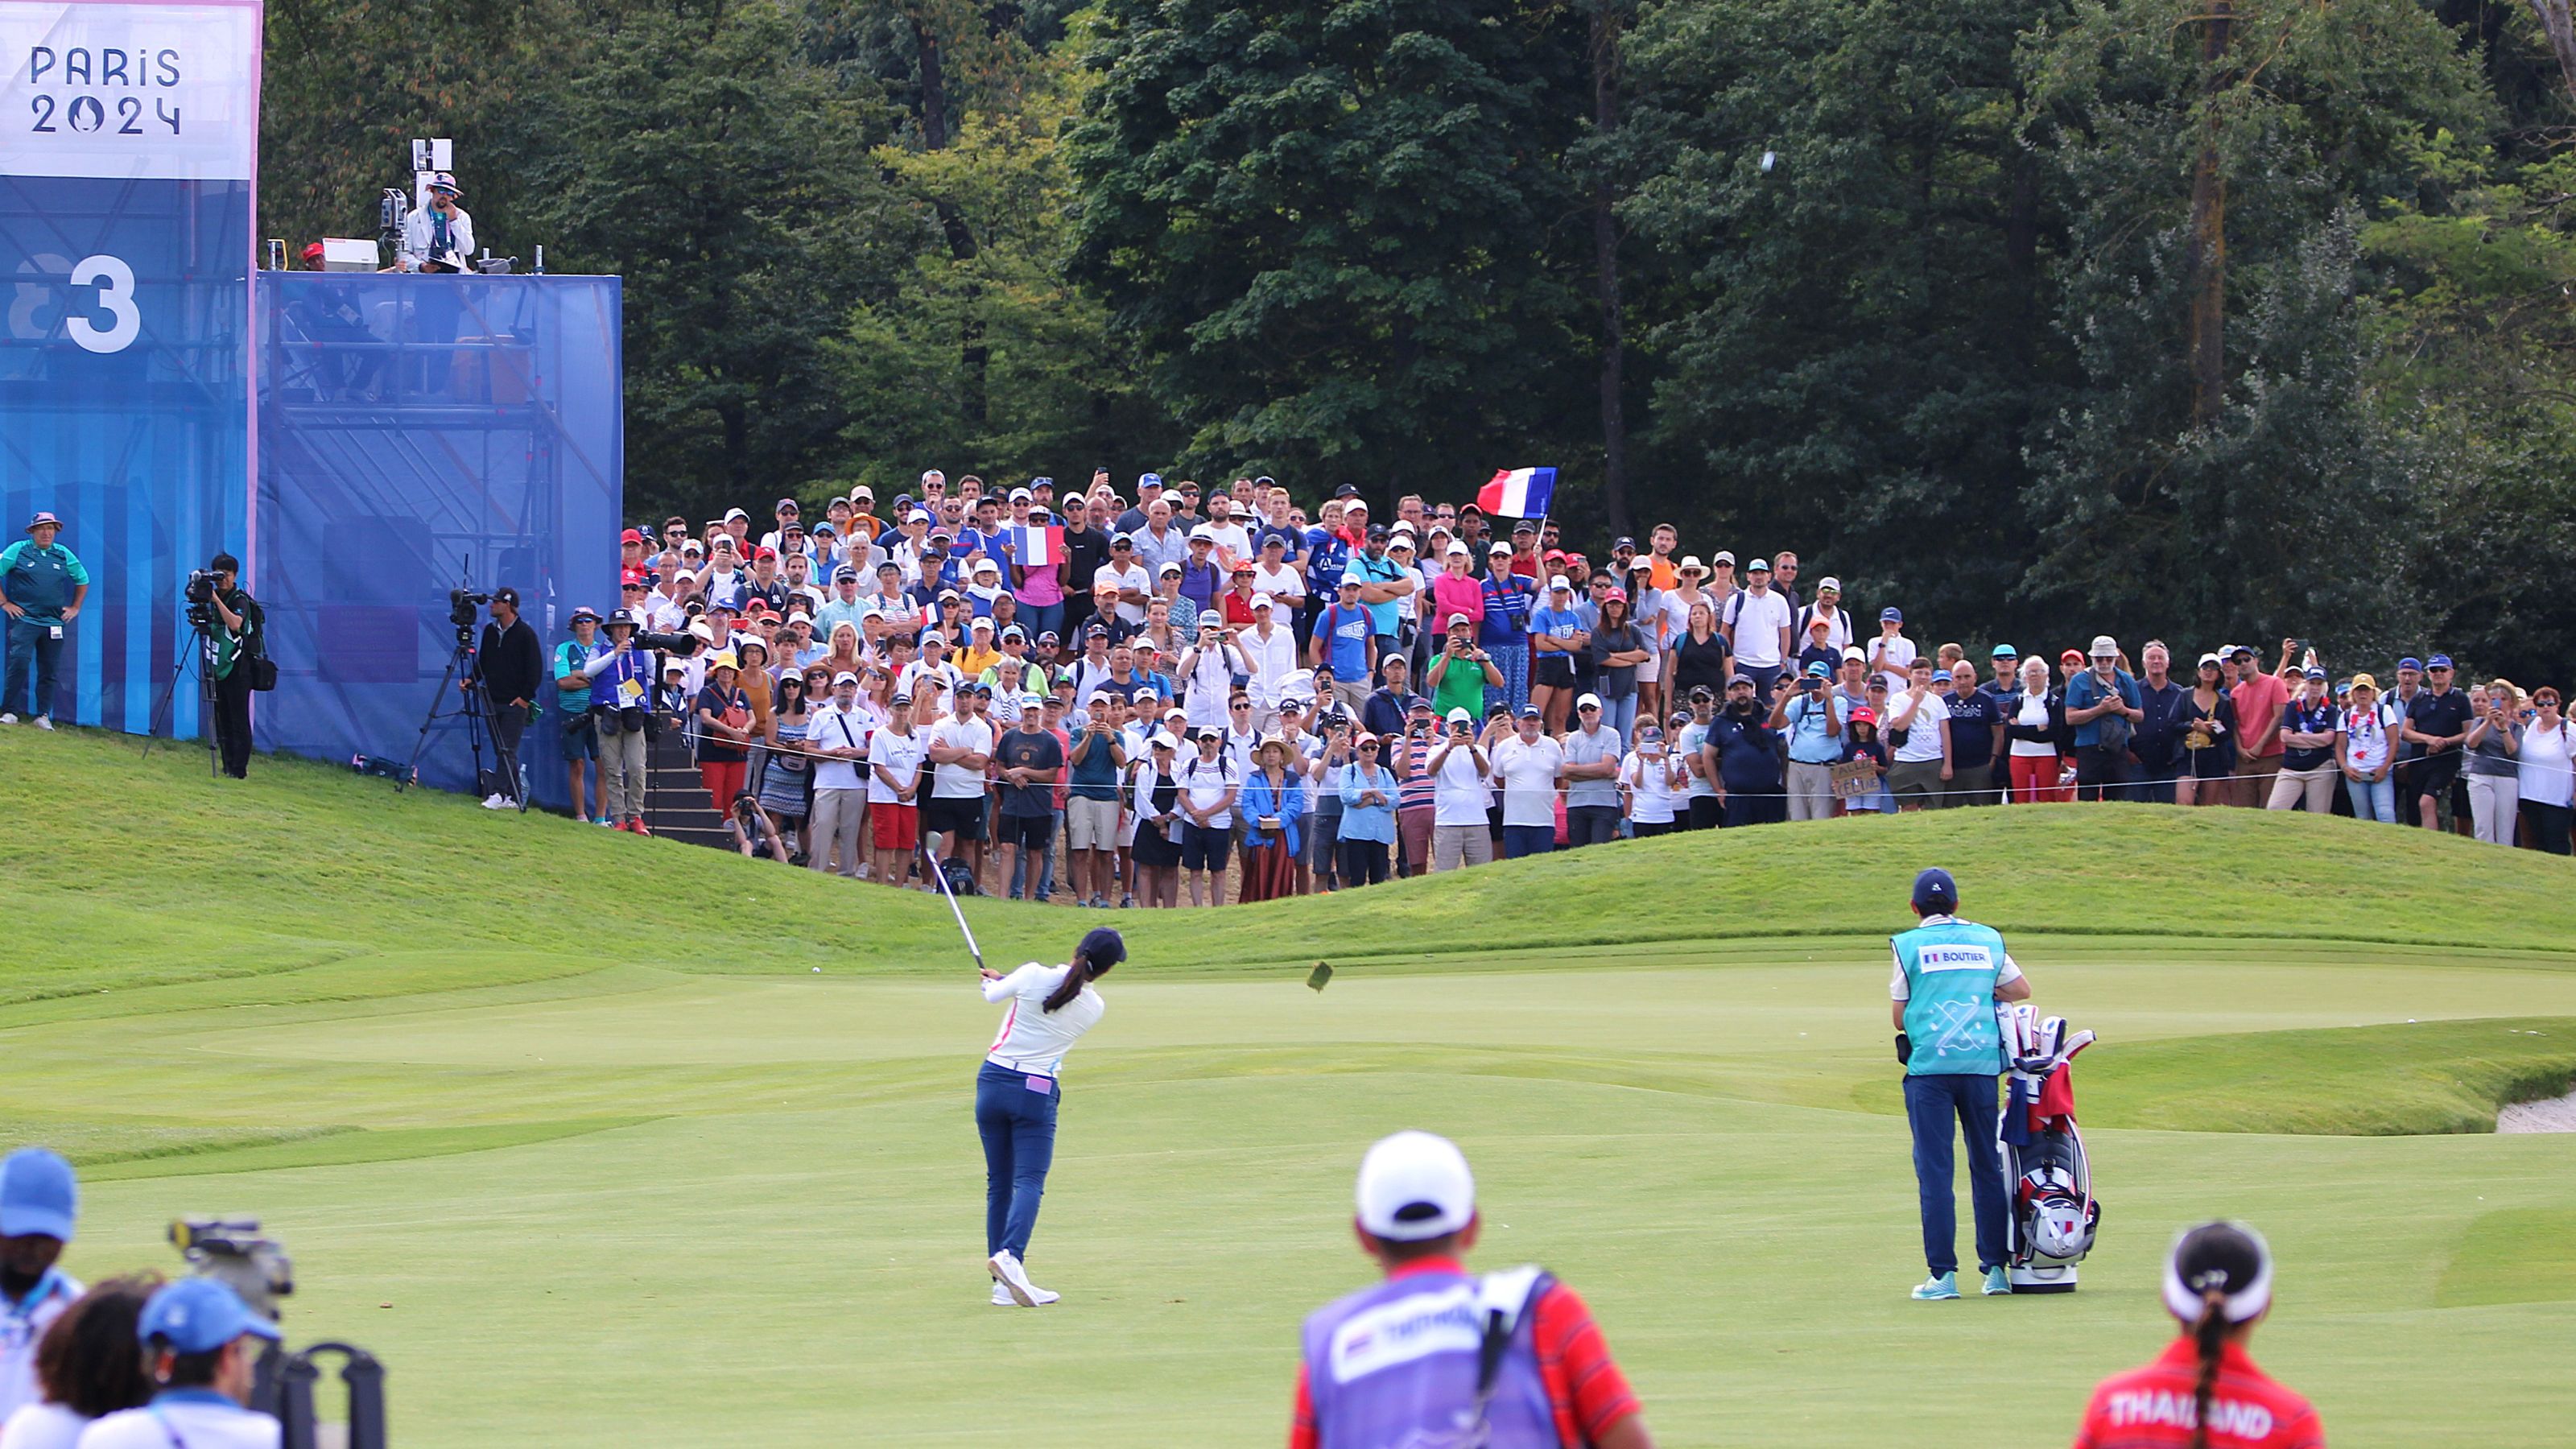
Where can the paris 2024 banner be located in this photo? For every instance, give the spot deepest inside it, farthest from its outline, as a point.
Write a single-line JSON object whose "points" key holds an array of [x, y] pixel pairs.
{"points": [[129, 144]]}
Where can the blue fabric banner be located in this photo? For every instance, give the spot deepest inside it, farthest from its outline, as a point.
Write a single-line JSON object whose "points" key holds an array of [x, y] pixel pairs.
{"points": [[411, 426]]}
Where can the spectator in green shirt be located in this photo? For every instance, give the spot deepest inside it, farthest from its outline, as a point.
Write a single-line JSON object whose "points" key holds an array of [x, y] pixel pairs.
{"points": [[1460, 671], [41, 589]]}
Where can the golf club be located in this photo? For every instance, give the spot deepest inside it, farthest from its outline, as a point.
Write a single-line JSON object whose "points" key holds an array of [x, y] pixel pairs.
{"points": [[940, 875]]}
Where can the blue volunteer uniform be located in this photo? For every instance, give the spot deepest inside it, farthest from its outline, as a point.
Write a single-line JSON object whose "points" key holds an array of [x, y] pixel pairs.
{"points": [[42, 580], [1947, 973]]}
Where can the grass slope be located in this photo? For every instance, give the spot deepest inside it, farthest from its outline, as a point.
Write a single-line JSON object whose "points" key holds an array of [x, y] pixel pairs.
{"points": [[165, 876], [542, 1119]]}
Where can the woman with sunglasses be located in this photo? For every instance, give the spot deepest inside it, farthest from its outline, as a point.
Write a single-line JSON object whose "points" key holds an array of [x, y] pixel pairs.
{"points": [[2204, 1391], [785, 782], [2207, 720], [1369, 793], [2495, 780], [1155, 803], [2545, 764]]}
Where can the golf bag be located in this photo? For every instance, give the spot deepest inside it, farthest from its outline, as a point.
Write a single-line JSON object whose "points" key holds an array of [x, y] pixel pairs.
{"points": [[959, 876], [2054, 1215]]}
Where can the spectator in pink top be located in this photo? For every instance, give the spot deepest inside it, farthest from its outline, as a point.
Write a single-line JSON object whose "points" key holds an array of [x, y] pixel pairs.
{"points": [[2259, 700], [1455, 591]]}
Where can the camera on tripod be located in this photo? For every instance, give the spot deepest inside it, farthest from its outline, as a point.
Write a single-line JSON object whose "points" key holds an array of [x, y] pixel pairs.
{"points": [[464, 607], [199, 591]]}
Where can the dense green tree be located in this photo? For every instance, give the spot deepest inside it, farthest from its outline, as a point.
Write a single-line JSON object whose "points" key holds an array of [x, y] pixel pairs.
{"points": [[1340, 231], [730, 183], [1854, 335], [2283, 503]]}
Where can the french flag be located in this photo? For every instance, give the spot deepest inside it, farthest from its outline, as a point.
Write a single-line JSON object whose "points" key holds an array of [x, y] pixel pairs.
{"points": [[1037, 547], [1519, 492]]}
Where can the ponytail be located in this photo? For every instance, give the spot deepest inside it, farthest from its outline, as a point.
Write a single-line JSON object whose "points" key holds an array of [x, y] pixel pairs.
{"points": [[1076, 977], [1102, 947], [2209, 1336]]}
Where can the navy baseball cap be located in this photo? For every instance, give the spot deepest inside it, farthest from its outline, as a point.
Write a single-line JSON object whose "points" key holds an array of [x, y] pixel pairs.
{"points": [[2439, 661], [199, 1315], [1935, 888], [1891, 616], [2410, 662], [38, 1195]]}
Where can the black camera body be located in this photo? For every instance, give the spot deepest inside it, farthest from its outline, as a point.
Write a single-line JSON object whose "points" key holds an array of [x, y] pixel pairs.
{"points": [[682, 645], [464, 607], [199, 591]]}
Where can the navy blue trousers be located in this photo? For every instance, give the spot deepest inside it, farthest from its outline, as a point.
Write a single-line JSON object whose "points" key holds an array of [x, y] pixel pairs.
{"points": [[1933, 1104], [1018, 1127]]}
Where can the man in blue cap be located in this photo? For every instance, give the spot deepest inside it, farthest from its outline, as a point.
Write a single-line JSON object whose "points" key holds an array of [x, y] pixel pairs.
{"points": [[1949, 975], [202, 1344], [38, 1201], [2437, 724]]}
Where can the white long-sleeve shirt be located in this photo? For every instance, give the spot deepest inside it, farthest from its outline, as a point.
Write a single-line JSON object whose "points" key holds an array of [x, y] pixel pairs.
{"points": [[1034, 1039], [420, 231]]}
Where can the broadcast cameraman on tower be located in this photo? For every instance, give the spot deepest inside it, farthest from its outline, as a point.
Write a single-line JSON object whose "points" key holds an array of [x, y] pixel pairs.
{"points": [[440, 236], [509, 667]]}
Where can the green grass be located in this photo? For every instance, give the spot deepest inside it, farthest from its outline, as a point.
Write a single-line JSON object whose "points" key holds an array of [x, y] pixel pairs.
{"points": [[667, 1183]]}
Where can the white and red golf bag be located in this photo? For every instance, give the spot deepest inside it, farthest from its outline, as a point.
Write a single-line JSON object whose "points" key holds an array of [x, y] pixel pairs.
{"points": [[2054, 1214]]}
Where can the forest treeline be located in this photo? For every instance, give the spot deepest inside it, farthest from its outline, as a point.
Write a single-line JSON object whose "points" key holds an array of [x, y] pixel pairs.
{"points": [[2256, 314]]}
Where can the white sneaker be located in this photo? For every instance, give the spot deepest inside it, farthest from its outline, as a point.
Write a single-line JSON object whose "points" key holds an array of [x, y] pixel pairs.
{"points": [[1006, 1266], [44, 721], [10, 718], [496, 801], [1002, 1296]]}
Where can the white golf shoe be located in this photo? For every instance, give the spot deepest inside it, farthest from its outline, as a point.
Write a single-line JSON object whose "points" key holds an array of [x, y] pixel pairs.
{"points": [[44, 721], [10, 717], [1015, 1279], [1002, 1296]]}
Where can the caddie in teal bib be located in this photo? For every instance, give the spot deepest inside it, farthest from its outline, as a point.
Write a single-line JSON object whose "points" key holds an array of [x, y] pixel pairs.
{"points": [[1949, 975]]}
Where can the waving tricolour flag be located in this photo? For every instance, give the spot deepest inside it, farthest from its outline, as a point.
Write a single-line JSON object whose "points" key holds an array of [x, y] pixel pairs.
{"points": [[1037, 547], [1519, 492]]}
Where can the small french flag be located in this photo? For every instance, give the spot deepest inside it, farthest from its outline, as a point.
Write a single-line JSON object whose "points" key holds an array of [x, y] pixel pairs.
{"points": [[1519, 492], [1038, 547]]}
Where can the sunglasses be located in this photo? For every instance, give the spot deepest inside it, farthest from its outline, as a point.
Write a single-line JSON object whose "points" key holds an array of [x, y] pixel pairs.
{"points": [[1369, 748]]}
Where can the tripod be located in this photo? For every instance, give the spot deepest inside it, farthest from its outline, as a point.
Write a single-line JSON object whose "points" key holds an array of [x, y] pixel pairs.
{"points": [[477, 711], [203, 657]]}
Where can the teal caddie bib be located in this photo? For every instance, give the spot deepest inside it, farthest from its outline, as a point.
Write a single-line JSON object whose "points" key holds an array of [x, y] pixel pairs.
{"points": [[1950, 973]]}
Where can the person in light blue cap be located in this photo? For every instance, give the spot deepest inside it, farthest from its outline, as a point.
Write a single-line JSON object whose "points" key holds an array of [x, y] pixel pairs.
{"points": [[39, 1200], [1949, 975], [202, 1344]]}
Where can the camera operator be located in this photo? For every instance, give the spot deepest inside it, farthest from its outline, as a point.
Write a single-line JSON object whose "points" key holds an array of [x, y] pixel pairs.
{"points": [[241, 636], [202, 1345], [440, 236], [508, 667]]}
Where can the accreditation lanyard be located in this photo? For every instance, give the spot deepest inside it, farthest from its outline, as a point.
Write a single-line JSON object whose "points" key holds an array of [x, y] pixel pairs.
{"points": [[18, 1327]]}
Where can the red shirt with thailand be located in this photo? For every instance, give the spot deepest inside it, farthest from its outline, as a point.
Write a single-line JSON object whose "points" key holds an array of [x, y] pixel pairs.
{"points": [[2152, 1407]]}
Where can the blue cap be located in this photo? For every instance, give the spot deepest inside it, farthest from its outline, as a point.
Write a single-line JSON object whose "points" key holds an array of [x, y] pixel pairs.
{"points": [[2440, 661], [1891, 616], [1149, 480], [38, 1195], [1935, 888], [199, 1315], [1816, 670], [2410, 662]]}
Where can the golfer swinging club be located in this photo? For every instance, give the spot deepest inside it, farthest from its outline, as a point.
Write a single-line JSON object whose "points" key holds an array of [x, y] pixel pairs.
{"points": [[1017, 1092], [1949, 975]]}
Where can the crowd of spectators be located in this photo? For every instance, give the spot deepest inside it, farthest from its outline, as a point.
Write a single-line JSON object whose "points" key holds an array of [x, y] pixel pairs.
{"points": [[1193, 691]]}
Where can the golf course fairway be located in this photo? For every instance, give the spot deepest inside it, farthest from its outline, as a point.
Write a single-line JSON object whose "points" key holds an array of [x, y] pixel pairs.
{"points": [[570, 1129]]}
